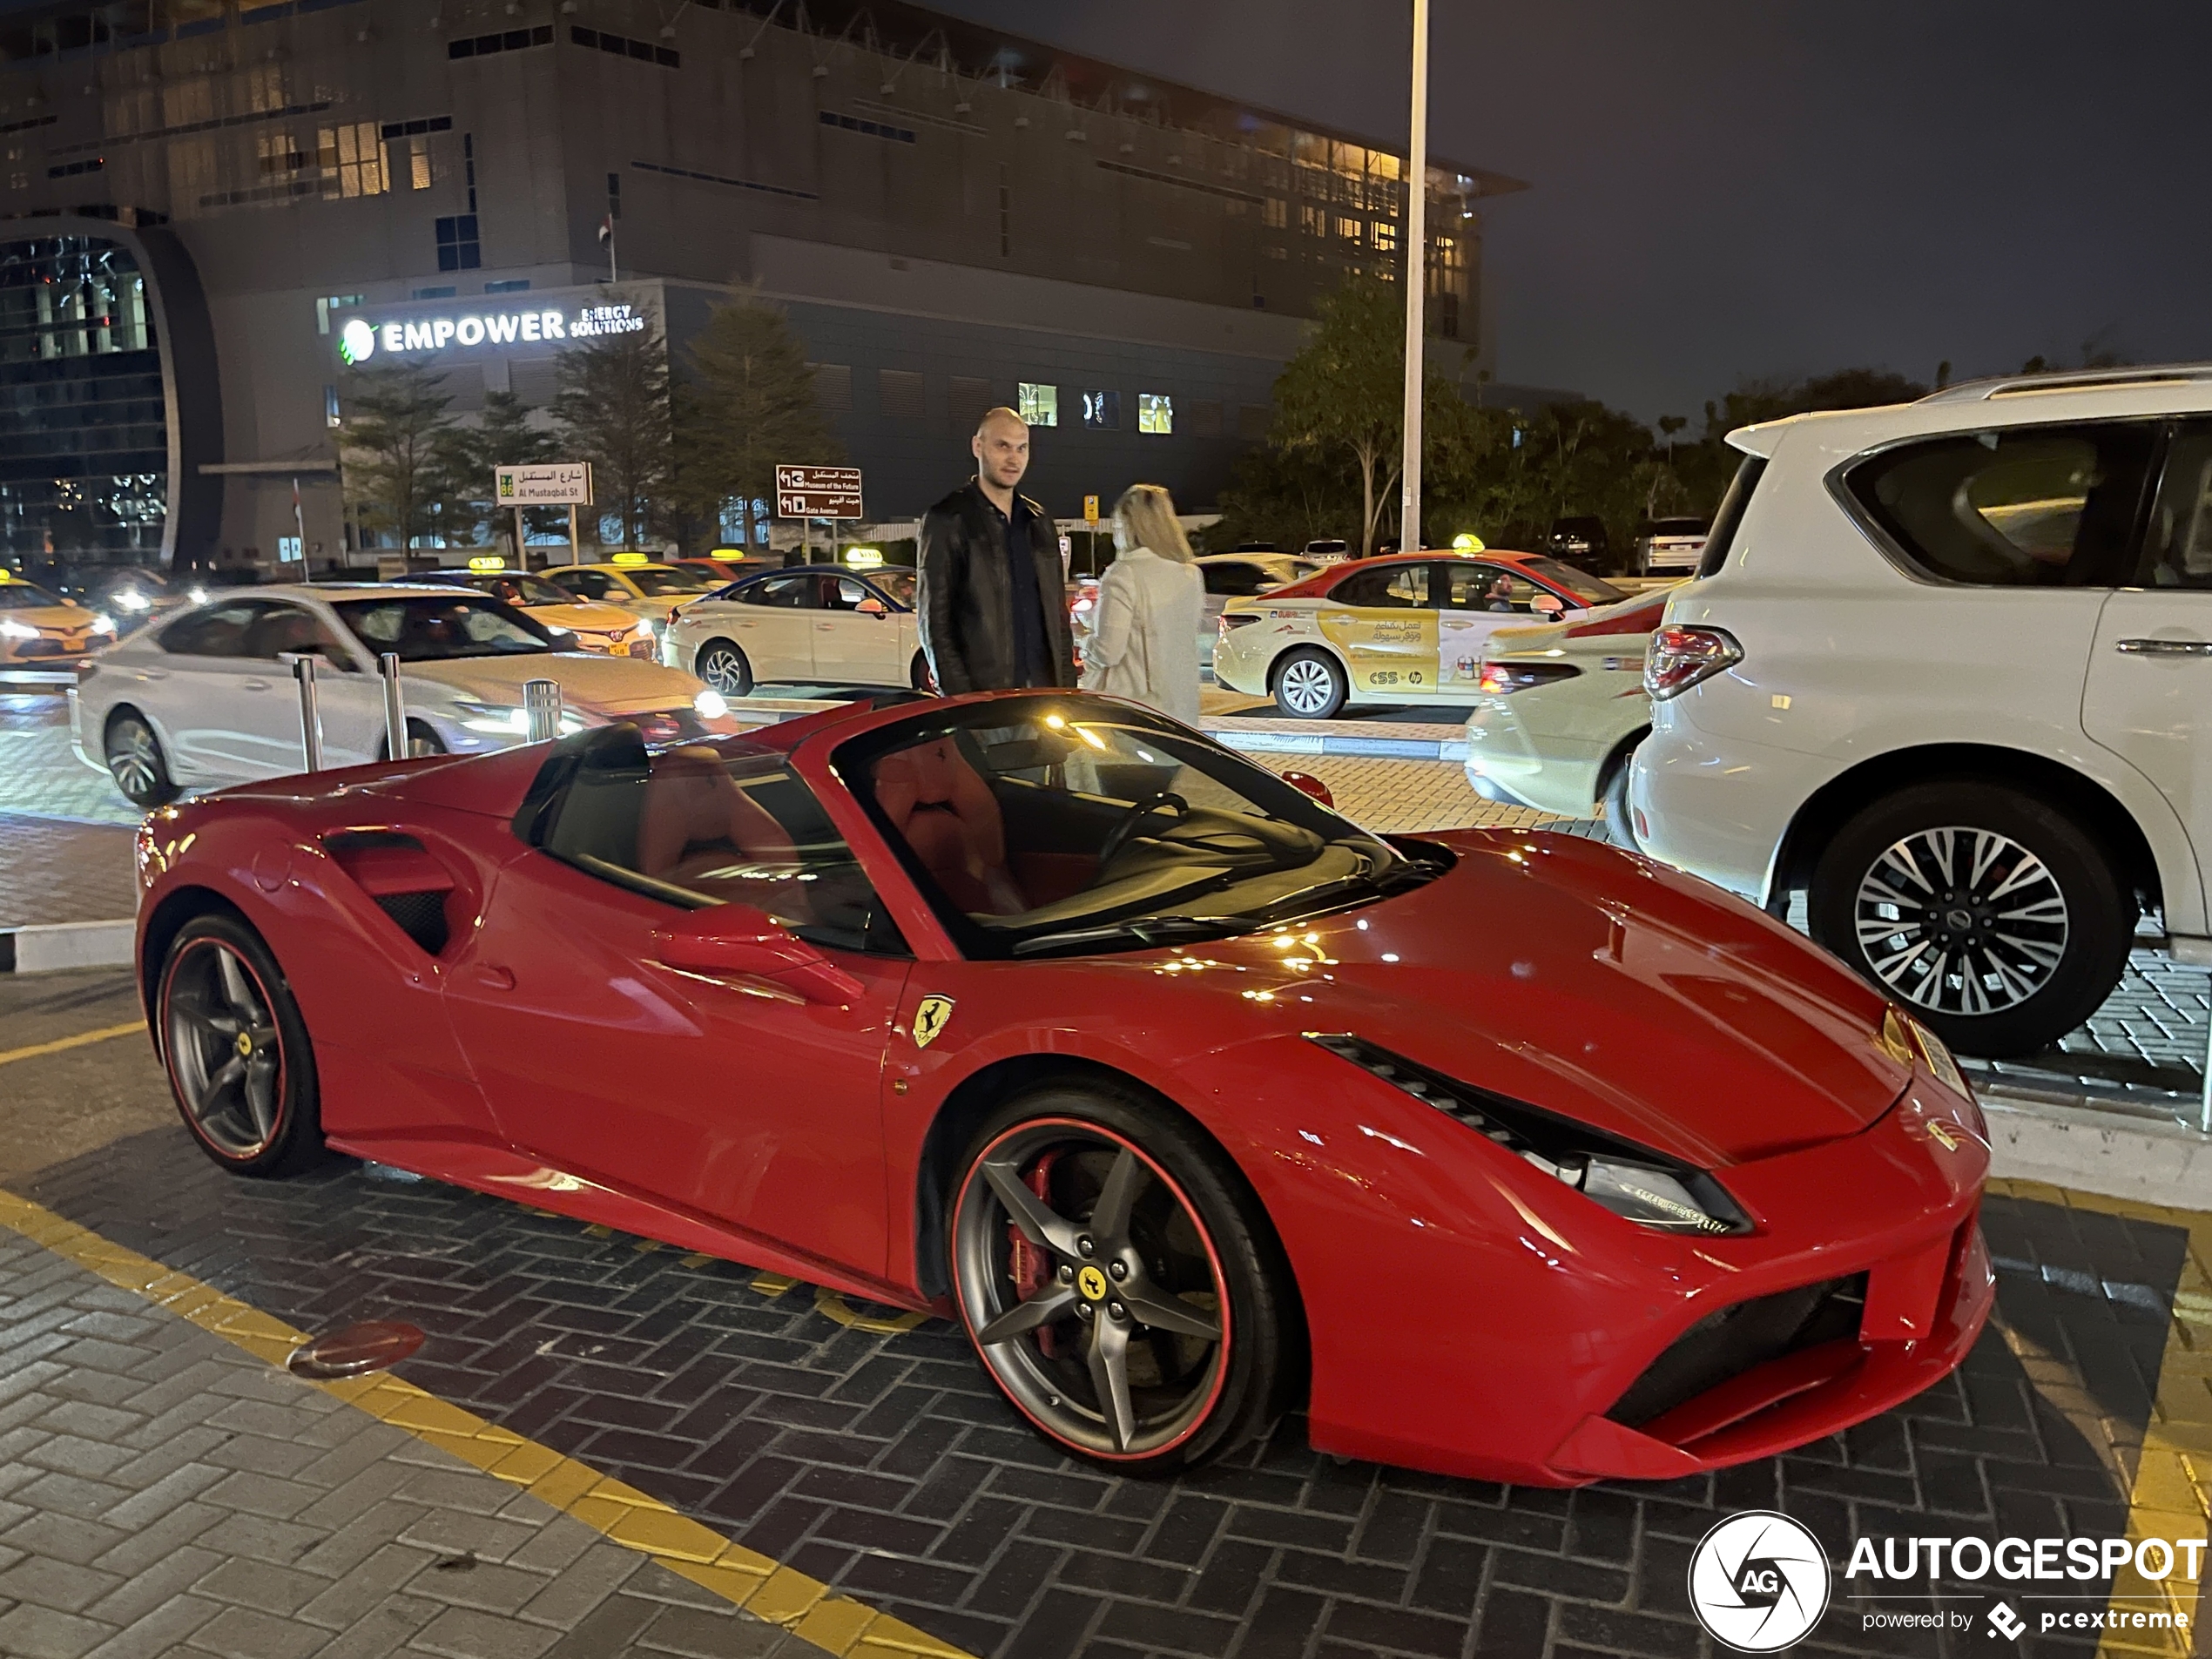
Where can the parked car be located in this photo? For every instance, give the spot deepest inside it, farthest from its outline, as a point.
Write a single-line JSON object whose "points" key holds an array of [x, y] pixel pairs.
{"points": [[637, 584], [1409, 629], [1947, 670], [1226, 576], [206, 698], [1328, 550], [1559, 712], [133, 598], [1581, 541], [1186, 1096], [1670, 546], [41, 632], [815, 625], [578, 624]]}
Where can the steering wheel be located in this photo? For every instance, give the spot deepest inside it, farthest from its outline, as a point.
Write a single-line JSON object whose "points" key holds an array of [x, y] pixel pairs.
{"points": [[1117, 838]]}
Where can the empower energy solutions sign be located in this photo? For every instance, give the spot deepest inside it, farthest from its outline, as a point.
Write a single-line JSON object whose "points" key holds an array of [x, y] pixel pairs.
{"points": [[363, 340]]}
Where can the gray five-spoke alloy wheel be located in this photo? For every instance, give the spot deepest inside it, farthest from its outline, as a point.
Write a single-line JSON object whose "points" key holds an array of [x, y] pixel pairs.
{"points": [[1959, 920], [1094, 1290], [135, 761], [227, 1059]]}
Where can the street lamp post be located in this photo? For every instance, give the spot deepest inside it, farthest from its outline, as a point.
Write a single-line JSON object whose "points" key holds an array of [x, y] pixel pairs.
{"points": [[1409, 503]]}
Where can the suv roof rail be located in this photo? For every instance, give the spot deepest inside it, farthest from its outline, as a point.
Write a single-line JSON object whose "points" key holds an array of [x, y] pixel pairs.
{"points": [[2071, 379]]}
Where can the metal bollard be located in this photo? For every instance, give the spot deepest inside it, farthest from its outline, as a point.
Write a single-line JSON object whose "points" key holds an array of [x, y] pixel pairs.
{"points": [[542, 710], [387, 666], [303, 670]]}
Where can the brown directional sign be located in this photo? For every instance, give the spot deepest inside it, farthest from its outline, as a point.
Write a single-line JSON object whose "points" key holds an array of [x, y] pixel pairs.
{"points": [[817, 492]]}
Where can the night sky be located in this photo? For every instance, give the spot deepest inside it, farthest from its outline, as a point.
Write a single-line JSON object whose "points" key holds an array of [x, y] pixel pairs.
{"points": [[1732, 188]]}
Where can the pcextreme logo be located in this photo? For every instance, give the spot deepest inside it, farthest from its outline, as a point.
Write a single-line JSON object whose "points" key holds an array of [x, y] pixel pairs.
{"points": [[1758, 1582]]}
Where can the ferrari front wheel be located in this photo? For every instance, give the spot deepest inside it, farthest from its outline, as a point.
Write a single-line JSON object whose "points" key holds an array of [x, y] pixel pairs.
{"points": [[1118, 1284], [237, 1053]]}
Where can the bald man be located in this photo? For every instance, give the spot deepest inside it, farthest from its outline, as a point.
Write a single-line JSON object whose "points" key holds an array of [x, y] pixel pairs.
{"points": [[993, 613]]}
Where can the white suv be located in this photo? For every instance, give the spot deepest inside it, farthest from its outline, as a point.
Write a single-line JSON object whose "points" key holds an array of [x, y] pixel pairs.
{"points": [[1947, 669]]}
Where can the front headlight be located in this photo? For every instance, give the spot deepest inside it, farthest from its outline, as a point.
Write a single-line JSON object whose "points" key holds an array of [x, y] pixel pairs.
{"points": [[103, 625], [644, 630], [131, 599], [491, 717], [10, 629], [711, 704], [1634, 1181]]}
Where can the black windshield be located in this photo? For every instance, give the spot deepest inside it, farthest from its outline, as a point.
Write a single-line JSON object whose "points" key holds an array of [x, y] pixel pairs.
{"points": [[1062, 822]]}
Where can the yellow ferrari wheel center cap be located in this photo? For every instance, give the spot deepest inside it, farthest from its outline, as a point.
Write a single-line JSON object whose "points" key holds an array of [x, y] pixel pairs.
{"points": [[1092, 1284], [245, 1045]]}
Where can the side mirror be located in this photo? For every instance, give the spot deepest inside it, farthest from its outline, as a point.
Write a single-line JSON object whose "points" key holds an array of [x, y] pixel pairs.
{"points": [[738, 939], [1549, 604], [1306, 784], [873, 607]]}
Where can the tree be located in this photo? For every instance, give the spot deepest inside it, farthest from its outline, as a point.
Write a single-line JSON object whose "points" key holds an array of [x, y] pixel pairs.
{"points": [[1343, 396], [468, 456], [749, 407], [390, 444], [612, 410]]}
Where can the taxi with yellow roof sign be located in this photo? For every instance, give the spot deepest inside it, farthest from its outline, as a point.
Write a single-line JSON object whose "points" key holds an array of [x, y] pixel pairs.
{"points": [[639, 583], [41, 631], [581, 625]]}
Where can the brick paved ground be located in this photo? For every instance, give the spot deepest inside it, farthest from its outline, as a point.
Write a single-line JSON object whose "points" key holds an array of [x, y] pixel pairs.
{"points": [[881, 1463], [162, 1492], [52, 871], [39, 775]]}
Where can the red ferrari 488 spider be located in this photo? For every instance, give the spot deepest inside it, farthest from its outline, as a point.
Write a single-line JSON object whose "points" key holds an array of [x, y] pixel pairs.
{"points": [[1500, 1153]]}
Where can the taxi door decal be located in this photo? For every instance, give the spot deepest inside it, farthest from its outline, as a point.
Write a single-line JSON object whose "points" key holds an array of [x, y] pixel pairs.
{"points": [[1460, 636], [1388, 649]]}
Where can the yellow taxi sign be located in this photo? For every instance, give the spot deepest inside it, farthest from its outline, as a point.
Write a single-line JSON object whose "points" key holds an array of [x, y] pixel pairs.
{"points": [[1467, 542], [1091, 509], [864, 558], [726, 553], [632, 558], [486, 564]]}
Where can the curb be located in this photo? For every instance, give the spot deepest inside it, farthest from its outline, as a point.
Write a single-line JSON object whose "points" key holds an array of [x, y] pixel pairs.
{"points": [[1301, 743], [2072, 1141], [42, 948]]}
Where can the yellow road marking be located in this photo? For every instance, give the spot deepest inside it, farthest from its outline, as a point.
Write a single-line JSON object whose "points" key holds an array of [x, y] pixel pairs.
{"points": [[761, 1585], [2171, 1494], [59, 1044]]}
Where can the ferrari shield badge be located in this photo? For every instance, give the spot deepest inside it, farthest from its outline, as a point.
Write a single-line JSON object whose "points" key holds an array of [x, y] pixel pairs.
{"points": [[931, 1017]]}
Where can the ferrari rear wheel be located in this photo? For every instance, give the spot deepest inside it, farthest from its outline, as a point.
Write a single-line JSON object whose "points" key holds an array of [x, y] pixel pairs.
{"points": [[1118, 1284], [1309, 686], [238, 1059], [724, 666]]}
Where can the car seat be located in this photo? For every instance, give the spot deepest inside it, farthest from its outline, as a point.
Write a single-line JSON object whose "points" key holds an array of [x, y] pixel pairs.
{"points": [[694, 816], [941, 805]]}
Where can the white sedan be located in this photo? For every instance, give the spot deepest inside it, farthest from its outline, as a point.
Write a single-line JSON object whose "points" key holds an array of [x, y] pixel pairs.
{"points": [[815, 625], [206, 697]]}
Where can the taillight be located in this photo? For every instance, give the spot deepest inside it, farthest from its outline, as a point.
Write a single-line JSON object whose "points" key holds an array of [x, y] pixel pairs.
{"points": [[1229, 621], [1678, 659], [1500, 679]]}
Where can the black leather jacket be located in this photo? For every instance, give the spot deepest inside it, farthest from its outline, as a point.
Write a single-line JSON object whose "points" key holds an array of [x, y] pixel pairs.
{"points": [[965, 604]]}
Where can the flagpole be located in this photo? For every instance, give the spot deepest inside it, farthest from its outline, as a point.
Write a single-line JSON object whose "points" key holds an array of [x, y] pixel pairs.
{"points": [[1416, 231]]}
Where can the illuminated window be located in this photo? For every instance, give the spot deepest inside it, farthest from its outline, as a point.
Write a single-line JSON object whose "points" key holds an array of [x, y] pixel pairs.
{"points": [[1275, 213], [1350, 230], [1385, 237], [1312, 220], [1038, 405], [418, 163], [352, 161], [1103, 411], [1155, 413]]}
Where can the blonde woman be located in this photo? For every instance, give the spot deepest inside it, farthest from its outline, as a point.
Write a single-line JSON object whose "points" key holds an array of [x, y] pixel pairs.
{"points": [[1144, 643]]}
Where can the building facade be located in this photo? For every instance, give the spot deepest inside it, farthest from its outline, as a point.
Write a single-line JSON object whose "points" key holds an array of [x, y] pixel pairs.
{"points": [[206, 202]]}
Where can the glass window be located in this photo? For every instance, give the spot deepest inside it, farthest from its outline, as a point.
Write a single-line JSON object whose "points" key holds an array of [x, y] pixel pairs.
{"points": [[714, 824], [281, 630], [2033, 506], [1591, 590], [516, 588], [1038, 405], [2177, 551], [589, 584], [656, 581], [1234, 579], [897, 586], [16, 594], [1054, 824], [1487, 587], [846, 594], [1154, 412], [219, 631], [431, 628], [800, 590], [1103, 411], [458, 249], [1399, 586], [1729, 517]]}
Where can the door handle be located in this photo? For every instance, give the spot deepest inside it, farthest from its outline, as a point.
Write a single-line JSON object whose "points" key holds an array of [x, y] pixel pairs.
{"points": [[496, 979], [2166, 647], [254, 685]]}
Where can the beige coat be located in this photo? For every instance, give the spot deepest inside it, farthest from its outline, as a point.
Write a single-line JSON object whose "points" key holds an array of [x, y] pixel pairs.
{"points": [[1145, 644]]}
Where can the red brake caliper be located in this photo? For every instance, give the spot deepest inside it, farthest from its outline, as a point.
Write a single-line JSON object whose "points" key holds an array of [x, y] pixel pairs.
{"points": [[1030, 1267]]}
